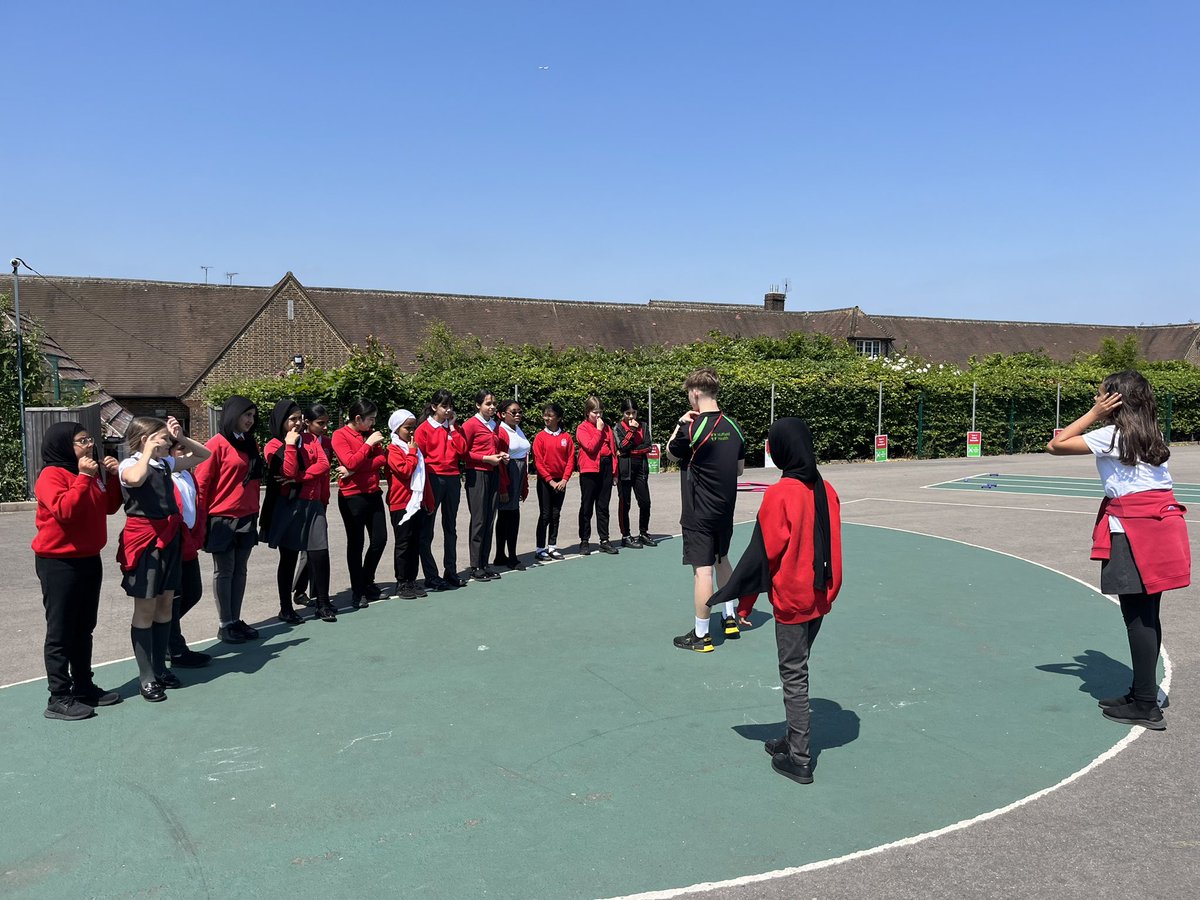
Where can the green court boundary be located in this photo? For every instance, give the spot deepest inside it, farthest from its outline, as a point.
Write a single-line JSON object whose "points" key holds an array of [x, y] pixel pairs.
{"points": [[1046, 486], [1132, 735]]}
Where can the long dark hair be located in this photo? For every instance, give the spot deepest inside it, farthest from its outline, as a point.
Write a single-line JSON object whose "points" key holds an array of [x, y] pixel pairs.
{"points": [[441, 397], [361, 407], [1136, 420]]}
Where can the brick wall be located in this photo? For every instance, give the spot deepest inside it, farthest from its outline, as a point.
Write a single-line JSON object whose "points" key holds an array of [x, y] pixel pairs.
{"points": [[266, 348], [161, 407]]}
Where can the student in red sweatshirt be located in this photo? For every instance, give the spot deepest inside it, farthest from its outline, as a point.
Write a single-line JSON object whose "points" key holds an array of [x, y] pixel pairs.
{"points": [[75, 495], [1140, 536], [484, 458], [227, 488], [597, 474], [359, 447], [443, 447], [150, 548], [316, 423], [293, 516], [553, 461], [795, 555], [405, 498], [633, 470]]}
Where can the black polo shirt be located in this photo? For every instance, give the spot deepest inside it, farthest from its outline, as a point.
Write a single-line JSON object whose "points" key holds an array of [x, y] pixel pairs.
{"points": [[708, 455]]}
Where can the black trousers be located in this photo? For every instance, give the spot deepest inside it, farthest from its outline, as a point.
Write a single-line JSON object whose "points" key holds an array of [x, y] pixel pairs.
{"points": [[71, 597], [406, 552], [508, 527], [639, 487], [447, 492], [483, 493], [363, 514], [191, 589], [550, 504], [794, 643], [1144, 630], [595, 491]]}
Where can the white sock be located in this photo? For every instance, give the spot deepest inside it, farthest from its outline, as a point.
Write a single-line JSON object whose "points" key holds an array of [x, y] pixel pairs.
{"points": [[539, 549], [702, 627], [552, 547], [730, 609]]}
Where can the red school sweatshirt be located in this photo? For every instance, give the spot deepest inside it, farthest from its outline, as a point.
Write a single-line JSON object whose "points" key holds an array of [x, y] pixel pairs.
{"points": [[400, 467], [553, 455], [481, 442], [220, 490], [444, 450], [71, 513], [593, 444], [314, 480], [364, 462], [786, 520]]}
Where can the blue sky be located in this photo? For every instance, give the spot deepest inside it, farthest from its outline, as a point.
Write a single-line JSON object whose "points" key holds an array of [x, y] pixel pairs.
{"points": [[1017, 160]]}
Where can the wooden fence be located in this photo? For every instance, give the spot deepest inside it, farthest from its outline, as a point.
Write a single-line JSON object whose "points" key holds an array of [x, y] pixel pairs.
{"points": [[39, 418]]}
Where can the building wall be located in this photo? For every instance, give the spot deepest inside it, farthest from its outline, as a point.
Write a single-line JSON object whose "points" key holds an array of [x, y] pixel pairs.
{"points": [[266, 348], [160, 408]]}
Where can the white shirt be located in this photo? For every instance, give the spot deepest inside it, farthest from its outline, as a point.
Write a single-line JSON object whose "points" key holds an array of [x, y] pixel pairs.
{"points": [[187, 493], [1118, 478], [518, 444]]}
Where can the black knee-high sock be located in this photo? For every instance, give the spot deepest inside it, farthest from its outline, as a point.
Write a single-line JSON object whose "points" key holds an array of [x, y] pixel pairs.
{"points": [[160, 640], [143, 652]]}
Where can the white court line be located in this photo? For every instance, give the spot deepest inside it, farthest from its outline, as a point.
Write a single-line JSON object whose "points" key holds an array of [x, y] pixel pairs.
{"points": [[1069, 512], [953, 480], [1134, 733]]}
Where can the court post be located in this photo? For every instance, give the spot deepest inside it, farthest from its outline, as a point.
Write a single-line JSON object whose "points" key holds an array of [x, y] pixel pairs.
{"points": [[920, 422], [1011, 424]]}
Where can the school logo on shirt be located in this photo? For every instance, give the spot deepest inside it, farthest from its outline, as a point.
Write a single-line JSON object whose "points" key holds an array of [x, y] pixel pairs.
{"points": [[562, 442]]}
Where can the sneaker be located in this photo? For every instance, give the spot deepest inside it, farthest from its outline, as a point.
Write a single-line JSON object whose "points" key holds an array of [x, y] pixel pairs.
{"points": [[491, 575], [301, 599], [542, 556], [290, 617], [631, 542], [190, 659], [555, 553], [782, 764], [691, 641], [732, 632], [1146, 714], [231, 634], [246, 631], [91, 695], [1110, 702], [68, 709], [585, 548], [606, 547], [169, 679], [436, 585], [646, 540], [406, 591], [358, 602], [326, 611], [515, 564], [417, 590]]}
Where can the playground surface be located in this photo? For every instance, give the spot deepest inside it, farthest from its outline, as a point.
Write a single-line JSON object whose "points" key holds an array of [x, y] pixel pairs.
{"points": [[540, 737]]}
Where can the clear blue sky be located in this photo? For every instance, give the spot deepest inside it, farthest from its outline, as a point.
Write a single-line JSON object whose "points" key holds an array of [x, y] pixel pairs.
{"points": [[1023, 160]]}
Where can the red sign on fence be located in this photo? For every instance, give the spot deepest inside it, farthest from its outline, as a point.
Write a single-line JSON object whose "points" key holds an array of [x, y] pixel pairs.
{"points": [[974, 443]]}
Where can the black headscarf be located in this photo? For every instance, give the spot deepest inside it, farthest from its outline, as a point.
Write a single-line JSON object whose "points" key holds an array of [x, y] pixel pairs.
{"points": [[792, 450], [58, 446], [235, 407]]}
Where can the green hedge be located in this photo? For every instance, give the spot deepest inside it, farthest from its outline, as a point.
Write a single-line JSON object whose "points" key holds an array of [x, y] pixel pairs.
{"points": [[12, 472], [927, 407]]}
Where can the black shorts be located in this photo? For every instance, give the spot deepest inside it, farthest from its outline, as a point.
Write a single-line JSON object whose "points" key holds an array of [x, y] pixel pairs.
{"points": [[704, 548]]}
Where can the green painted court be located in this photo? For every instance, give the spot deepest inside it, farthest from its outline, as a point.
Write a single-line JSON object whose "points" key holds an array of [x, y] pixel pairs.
{"points": [[1047, 486], [541, 737]]}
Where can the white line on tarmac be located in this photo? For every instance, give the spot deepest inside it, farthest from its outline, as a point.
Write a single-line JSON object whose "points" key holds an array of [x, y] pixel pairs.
{"points": [[1133, 735], [1069, 512]]}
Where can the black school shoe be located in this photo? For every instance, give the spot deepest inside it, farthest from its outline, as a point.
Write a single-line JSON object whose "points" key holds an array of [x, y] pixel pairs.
{"points": [[632, 543], [690, 641], [231, 634], [788, 769], [190, 659], [491, 574], [646, 540], [245, 630], [153, 692], [479, 575], [301, 599], [776, 745], [585, 548], [326, 611], [169, 680], [556, 554], [67, 709], [1138, 712], [453, 581], [606, 547], [290, 617], [359, 602], [93, 695], [436, 585]]}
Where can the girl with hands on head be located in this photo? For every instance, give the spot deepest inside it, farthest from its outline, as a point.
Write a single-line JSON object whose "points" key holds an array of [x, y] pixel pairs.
{"points": [[359, 447], [597, 474]]}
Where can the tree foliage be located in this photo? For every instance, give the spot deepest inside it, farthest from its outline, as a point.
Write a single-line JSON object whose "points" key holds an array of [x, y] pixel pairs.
{"points": [[12, 472]]}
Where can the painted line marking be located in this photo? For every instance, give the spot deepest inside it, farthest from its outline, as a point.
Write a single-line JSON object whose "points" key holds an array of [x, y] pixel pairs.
{"points": [[1068, 512]]}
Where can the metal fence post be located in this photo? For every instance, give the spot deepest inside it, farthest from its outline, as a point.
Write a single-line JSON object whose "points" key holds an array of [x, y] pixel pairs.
{"points": [[1170, 409], [1011, 415], [920, 422]]}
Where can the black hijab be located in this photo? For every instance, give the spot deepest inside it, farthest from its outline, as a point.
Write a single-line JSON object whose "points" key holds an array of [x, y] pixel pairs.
{"points": [[58, 446], [235, 407], [792, 450]]}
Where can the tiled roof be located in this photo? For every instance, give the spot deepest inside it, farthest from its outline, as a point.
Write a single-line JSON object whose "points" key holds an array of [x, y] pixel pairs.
{"points": [[957, 340]]}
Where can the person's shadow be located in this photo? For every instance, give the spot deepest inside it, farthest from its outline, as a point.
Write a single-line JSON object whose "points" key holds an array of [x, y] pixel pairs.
{"points": [[832, 726], [246, 658], [1100, 675]]}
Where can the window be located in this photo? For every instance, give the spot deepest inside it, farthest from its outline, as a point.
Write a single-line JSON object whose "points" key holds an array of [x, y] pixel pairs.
{"points": [[872, 347]]}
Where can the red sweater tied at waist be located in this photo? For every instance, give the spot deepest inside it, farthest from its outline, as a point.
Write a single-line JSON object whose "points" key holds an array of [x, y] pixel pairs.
{"points": [[140, 534], [1158, 539]]}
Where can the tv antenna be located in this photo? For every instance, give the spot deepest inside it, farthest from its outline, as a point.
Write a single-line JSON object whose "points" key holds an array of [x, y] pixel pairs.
{"points": [[230, 275], [206, 268]]}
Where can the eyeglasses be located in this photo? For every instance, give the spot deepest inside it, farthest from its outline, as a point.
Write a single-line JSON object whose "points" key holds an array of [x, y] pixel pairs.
{"points": [[85, 442]]}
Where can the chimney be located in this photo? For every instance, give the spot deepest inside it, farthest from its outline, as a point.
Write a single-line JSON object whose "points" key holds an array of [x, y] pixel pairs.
{"points": [[773, 301]]}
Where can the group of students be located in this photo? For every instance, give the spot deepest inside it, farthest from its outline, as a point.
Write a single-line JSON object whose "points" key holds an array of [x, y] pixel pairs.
{"points": [[794, 555], [172, 515]]}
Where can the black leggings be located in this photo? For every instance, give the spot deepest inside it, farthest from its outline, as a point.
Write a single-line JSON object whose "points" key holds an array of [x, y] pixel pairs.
{"points": [[191, 589], [1144, 630], [639, 487], [406, 547], [363, 513], [595, 490], [550, 504], [508, 526]]}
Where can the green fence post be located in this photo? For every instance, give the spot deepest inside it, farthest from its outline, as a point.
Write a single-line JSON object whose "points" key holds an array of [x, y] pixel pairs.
{"points": [[1170, 405], [920, 422], [1011, 414]]}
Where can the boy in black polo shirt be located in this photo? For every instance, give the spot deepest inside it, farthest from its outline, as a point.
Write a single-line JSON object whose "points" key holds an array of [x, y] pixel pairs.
{"points": [[711, 453]]}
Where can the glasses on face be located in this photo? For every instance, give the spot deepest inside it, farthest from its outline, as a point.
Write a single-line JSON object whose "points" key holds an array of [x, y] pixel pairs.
{"points": [[85, 441]]}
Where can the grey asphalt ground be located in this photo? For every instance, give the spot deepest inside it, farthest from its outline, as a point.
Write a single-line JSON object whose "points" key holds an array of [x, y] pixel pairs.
{"points": [[1129, 827]]}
